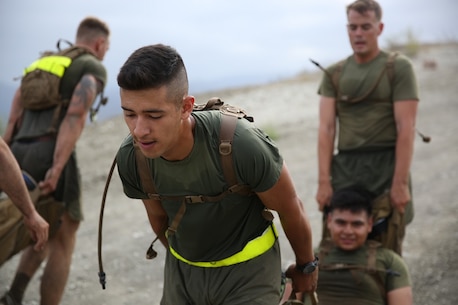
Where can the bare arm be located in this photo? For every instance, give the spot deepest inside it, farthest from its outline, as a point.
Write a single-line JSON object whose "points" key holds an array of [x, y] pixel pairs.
{"points": [[326, 136], [71, 128], [400, 296], [12, 183], [157, 218], [405, 115], [14, 117], [282, 198]]}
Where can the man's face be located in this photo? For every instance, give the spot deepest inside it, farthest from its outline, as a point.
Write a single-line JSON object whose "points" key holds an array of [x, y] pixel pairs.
{"points": [[102, 46], [349, 230], [156, 123], [363, 31]]}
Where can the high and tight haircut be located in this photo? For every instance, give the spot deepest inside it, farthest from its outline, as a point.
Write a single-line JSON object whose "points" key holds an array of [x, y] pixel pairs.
{"points": [[91, 28], [154, 66], [354, 199], [363, 6]]}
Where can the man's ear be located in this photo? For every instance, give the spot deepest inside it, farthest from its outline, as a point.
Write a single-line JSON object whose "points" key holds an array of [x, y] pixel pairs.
{"points": [[328, 219], [188, 105], [380, 28], [370, 222]]}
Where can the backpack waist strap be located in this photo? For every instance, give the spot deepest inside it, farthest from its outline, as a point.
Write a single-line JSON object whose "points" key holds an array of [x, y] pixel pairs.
{"points": [[252, 249]]}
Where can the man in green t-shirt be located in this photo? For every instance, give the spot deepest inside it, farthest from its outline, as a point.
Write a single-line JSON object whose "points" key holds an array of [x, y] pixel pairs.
{"points": [[352, 269], [220, 249], [370, 102], [48, 155]]}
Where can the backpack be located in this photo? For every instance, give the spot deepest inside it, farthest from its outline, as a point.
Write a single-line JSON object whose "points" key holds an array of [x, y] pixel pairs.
{"points": [[40, 83], [370, 267], [230, 115], [389, 69]]}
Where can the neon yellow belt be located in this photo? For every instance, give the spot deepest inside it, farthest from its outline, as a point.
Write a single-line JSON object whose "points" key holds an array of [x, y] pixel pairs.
{"points": [[252, 249]]}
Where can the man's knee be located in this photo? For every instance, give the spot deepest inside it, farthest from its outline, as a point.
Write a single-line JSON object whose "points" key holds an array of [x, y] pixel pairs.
{"points": [[66, 232]]}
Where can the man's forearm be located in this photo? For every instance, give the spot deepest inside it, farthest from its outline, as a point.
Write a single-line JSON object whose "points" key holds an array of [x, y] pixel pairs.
{"points": [[298, 231], [13, 183], [404, 153]]}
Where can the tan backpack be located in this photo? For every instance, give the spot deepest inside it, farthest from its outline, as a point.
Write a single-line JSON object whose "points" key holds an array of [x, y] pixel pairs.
{"points": [[40, 84]]}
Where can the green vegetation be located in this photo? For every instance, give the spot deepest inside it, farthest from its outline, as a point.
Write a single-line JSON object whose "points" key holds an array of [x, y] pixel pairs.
{"points": [[271, 132], [407, 43]]}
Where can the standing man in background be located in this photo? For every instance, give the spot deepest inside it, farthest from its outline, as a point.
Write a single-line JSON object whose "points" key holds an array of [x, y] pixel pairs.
{"points": [[49, 156], [373, 97]]}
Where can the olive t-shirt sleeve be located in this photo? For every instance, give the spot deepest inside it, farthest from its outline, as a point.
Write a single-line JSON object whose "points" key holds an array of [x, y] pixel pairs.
{"points": [[403, 279], [257, 159], [405, 85]]}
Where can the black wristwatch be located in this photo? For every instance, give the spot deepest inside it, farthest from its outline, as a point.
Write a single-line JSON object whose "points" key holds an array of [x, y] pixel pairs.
{"points": [[309, 267]]}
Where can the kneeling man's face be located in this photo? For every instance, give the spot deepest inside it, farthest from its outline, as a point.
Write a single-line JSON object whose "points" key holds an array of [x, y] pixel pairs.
{"points": [[349, 230]]}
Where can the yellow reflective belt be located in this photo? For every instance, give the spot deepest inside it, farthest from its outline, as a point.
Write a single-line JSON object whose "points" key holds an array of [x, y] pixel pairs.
{"points": [[54, 64], [253, 248]]}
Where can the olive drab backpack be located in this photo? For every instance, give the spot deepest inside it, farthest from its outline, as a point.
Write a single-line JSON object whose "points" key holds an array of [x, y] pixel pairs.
{"points": [[40, 83], [230, 115], [376, 273]]}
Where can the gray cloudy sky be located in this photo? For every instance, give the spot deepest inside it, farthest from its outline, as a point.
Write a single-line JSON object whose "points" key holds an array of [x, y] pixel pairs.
{"points": [[223, 43]]}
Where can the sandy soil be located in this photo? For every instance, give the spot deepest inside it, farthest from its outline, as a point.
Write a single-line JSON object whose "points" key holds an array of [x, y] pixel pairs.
{"points": [[288, 110]]}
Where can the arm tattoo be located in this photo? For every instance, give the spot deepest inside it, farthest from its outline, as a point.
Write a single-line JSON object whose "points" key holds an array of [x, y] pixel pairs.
{"points": [[85, 93]]}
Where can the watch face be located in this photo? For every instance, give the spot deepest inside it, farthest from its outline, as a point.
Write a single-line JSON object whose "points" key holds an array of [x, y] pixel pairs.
{"points": [[309, 268]]}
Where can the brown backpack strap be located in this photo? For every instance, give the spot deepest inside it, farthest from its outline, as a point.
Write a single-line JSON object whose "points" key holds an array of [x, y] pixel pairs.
{"points": [[144, 172], [228, 124], [325, 247], [336, 77], [389, 69], [372, 266], [146, 177], [390, 66]]}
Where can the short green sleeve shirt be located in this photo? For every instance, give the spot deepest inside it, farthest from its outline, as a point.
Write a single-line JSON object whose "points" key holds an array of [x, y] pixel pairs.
{"points": [[369, 124], [358, 286], [210, 231]]}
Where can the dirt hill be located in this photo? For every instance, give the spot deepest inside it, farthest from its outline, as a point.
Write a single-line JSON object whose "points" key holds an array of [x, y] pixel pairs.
{"points": [[287, 110]]}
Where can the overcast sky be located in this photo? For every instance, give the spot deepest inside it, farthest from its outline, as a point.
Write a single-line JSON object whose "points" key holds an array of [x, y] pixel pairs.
{"points": [[223, 43]]}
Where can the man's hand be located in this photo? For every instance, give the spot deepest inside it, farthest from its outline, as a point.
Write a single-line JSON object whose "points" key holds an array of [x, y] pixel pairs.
{"points": [[302, 282], [400, 196], [323, 195], [49, 184], [38, 229]]}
